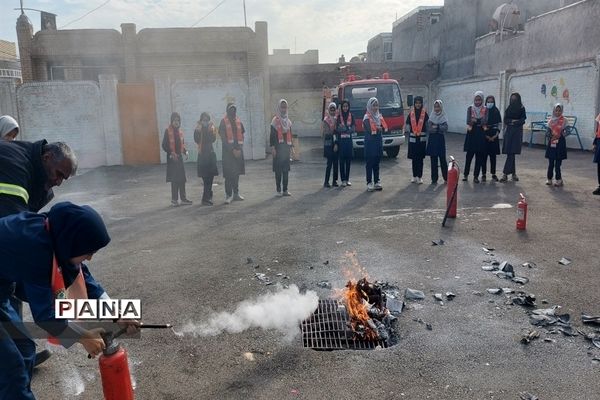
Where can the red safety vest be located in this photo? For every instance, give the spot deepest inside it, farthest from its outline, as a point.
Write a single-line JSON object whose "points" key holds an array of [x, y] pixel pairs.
{"points": [[374, 125], [348, 120], [330, 121], [288, 134], [556, 128], [417, 128], [229, 130], [171, 135], [598, 128], [482, 112]]}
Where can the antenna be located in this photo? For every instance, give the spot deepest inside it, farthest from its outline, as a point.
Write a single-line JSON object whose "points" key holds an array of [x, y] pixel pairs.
{"points": [[245, 22], [22, 12]]}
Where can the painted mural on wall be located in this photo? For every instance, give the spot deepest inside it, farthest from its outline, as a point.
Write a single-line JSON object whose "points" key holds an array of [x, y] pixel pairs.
{"points": [[556, 91]]}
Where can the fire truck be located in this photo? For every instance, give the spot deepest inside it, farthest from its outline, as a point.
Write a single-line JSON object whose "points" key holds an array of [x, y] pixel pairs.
{"points": [[358, 91]]}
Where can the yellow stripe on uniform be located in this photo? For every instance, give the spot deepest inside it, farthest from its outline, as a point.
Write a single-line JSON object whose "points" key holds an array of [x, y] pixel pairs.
{"points": [[7, 188]]}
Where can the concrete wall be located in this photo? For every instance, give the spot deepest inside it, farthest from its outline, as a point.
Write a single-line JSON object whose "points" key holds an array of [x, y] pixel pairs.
{"points": [[8, 97], [284, 57], [376, 48], [416, 38], [82, 114], [541, 43]]}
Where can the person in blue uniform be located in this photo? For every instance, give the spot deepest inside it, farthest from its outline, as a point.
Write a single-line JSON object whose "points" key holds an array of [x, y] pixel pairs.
{"points": [[374, 127], [474, 139], [281, 147], [416, 126], [346, 127], [556, 146], [437, 127], [492, 142], [330, 145], [34, 248], [596, 150]]}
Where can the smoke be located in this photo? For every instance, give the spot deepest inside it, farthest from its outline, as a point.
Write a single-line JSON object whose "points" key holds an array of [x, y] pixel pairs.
{"points": [[282, 310], [71, 381]]}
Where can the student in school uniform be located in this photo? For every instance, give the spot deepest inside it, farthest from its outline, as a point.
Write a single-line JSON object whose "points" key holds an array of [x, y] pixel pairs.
{"points": [[596, 150], [374, 127], [281, 147], [330, 145], [556, 146], [416, 127], [437, 127], [492, 143], [344, 131]]}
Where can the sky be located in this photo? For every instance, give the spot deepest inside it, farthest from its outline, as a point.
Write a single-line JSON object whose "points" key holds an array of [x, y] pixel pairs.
{"points": [[332, 27]]}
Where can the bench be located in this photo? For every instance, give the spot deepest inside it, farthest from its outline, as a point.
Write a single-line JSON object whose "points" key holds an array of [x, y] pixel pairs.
{"points": [[541, 125]]}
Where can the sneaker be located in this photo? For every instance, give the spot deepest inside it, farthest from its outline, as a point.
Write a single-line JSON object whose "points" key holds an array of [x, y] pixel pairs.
{"points": [[419, 181], [558, 183], [335, 184], [597, 191], [41, 357], [186, 202], [465, 178], [348, 183], [515, 178], [483, 178], [413, 180], [475, 180], [207, 203], [494, 178], [286, 193], [228, 199], [344, 183], [504, 178], [279, 194], [174, 203], [548, 182], [434, 182], [326, 185], [370, 187], [237, 197], [378, 186]]}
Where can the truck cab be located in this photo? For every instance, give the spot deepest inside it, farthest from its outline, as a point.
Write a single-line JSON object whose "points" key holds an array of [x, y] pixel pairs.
{"points": [[387, 91]]}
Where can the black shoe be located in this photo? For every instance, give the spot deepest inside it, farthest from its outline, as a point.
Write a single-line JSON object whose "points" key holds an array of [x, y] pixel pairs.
{"points": [[434, 182], [494, 178], [335, 184], [41, 357], [207, 203], [597, 191], [483, 178], [465, 178], [476, 180], [326, 185]]}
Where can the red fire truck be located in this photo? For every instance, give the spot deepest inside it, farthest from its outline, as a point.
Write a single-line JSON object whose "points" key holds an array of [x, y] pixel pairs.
{"points": [[358, 91]]}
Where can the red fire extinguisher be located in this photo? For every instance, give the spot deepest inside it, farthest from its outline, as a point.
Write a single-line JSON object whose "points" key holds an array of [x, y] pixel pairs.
{"points": [[114, 370], [452, 190], [522, 213]]}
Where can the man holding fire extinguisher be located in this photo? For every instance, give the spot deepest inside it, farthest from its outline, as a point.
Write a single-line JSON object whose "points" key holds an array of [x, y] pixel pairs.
{"points": [[44, 253]]}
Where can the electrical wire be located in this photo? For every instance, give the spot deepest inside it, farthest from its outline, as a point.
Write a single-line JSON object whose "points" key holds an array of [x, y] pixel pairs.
{"points": [[210, 12], [85, 15]]}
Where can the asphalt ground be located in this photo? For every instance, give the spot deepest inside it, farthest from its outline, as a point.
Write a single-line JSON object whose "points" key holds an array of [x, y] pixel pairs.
{"points": [[185, 262]]}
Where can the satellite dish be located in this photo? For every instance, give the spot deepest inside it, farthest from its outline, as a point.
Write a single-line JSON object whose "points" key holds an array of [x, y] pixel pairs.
{"points": [[507, 17]]}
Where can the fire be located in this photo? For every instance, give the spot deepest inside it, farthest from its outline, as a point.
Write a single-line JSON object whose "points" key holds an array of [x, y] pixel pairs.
{"points": [[356, 301]]}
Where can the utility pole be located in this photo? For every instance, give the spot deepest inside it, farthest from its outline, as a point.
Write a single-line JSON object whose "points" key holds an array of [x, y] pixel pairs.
{"points": [[22, 12], [245, 21]]}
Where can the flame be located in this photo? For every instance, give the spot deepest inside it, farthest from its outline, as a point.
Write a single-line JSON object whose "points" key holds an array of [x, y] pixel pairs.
{"points": [[358, 309]]}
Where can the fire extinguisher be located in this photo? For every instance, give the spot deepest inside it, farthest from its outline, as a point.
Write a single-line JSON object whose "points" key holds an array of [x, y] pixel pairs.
{"points": [[452, 190], [522, 213], [114, 370]]}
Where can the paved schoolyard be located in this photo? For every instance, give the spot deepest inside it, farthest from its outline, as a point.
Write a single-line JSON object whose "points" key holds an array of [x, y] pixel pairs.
{"points": [[183, 262]]}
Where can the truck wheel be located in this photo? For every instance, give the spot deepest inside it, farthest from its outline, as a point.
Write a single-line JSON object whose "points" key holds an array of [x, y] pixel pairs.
{"points": [[392, 152]]}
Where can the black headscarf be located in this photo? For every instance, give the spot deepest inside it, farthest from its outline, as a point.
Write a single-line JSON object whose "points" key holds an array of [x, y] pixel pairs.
{"points": [[344, 114], [175, 116], [75, 231], [231, 110], [494, 114], [515, 108], [418, 110]]}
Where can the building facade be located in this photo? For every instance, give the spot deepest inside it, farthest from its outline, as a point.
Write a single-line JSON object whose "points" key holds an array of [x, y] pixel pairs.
{"points": [[379, 48], [284, 57]]}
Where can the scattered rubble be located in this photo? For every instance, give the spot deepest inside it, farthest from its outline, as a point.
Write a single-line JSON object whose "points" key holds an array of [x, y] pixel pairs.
{"points": [[494, 291], [324, 284], [450, 296], [412, 294], [530, 336], [590, 319], [439, 242], [528, 396], [263, 278], [565, 261]]}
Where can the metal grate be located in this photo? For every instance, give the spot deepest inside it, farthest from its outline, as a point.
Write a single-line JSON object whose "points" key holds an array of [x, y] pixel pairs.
{"points": [[328, 328]]}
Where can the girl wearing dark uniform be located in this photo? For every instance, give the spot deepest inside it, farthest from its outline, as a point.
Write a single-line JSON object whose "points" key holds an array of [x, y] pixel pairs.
{"points": [[417, 129], [474, 139], [514, 119], [596, 150], [232, 132], [556, 148], [281, 147], [345, 129], [374, 126], [330, 146], [492, 143], [174, 145], [437, 127], [205, 135]]}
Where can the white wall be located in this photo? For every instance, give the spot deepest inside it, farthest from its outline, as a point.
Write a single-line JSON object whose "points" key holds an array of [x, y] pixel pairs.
{"points": [[305, 110], [576, 87], [458, 96], [72, 112], [8, 99]]}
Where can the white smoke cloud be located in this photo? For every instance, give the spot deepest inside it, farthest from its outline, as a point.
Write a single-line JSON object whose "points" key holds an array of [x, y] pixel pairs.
{"points": [[282, 310]]}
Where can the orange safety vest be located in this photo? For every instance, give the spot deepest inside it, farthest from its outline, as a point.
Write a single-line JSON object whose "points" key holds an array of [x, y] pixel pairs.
{"points": [[348, 120], [483, 111], [229, 130], [330, 121], [556, 128], [374, 125], [77, 290], [288, 134], [417, 128], [598, 128], [171, 135]]}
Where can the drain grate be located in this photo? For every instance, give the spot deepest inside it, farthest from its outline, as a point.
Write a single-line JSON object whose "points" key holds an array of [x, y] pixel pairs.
{"points": [[328, 328]]}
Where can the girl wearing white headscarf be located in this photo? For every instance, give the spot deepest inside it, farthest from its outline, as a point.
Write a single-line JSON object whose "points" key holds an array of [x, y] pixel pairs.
{"points": [[437, 127], [281, 147], [374, 126], [556, 148], [9, 128], [330, 146], [475, 137]]}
